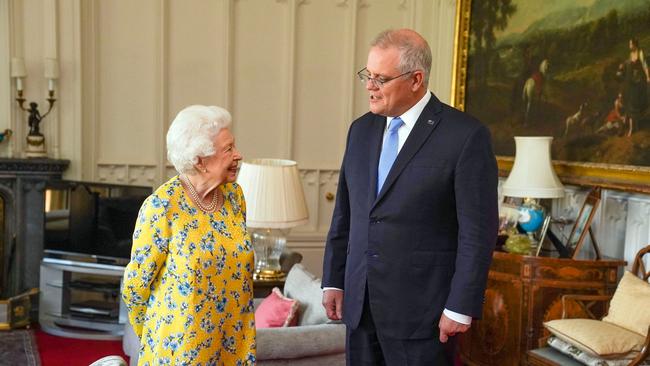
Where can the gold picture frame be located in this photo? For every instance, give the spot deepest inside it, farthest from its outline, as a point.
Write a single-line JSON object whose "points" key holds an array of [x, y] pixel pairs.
{"points": [[630, 178]]}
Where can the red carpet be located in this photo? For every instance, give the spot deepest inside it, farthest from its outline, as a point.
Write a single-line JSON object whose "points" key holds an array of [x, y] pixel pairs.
{"points": [[60, 351]]}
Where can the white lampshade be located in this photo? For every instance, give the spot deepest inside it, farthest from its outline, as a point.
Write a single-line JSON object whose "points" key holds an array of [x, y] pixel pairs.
{"points": [[273, 192], [532, 174], [51, 68], [18, 68]]}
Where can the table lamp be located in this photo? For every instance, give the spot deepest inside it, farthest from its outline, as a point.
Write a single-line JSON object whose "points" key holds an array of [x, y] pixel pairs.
{"points": [[275, 203], [532, 178]]}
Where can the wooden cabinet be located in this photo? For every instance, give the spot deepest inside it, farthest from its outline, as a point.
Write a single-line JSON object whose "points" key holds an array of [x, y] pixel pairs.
{"points": [[522, 293]]}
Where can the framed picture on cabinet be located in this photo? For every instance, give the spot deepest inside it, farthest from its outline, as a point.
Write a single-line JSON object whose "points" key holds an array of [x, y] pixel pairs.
{"points": [[581, 226]]}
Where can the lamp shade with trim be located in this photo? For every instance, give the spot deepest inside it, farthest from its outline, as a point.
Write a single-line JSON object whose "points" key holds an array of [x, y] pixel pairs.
{"points": [[532, 174], [273, 192]]}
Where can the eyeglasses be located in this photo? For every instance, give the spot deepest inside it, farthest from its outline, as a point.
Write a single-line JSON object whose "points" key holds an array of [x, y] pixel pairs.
{"points": [[378, 82]]}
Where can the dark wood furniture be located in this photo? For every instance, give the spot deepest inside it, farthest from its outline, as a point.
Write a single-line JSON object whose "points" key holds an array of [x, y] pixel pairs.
{"points": [[262, 288], [546, 356], [522, 293]]}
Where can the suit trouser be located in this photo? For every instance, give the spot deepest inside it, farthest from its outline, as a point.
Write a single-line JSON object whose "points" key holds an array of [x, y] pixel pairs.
{"points": [[365, 345]]}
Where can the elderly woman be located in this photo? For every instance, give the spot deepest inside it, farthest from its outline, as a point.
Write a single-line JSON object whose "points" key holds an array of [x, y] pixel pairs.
{"points": [[188, 287]]}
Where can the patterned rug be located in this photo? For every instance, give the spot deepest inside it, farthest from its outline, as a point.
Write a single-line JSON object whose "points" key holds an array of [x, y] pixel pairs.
{"points": [[18, 347]]}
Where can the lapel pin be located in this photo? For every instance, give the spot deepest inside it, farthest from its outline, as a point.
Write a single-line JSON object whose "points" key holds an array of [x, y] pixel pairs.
{"points": [[431, 122]]}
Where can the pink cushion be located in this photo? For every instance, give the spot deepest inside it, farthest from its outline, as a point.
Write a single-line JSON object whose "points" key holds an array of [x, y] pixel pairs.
{"points": [[276, 311]]}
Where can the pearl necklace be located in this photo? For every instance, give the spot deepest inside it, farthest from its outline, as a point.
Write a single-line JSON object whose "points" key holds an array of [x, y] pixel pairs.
{"points": [[216, 202]]}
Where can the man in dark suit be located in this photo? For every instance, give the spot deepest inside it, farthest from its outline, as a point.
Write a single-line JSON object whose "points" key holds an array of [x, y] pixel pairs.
{"points": [[415, 220]]}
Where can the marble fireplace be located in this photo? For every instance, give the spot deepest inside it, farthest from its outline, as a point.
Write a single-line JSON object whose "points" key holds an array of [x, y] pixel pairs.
{"points": [[22, 186]]}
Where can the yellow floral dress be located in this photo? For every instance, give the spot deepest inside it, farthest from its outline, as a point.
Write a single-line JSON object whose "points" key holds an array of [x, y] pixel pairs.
{"points": [[189, 285]]}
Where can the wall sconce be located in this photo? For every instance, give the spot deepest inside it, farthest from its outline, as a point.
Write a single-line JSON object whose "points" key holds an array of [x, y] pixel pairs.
{"points": [[275, 203], [35, 139], [532, 177]]}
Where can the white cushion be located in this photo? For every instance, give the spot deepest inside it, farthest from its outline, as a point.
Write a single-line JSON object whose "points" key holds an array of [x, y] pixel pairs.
{"points": [[303, 286], [584, 357], [597, 337], [630, 306]]}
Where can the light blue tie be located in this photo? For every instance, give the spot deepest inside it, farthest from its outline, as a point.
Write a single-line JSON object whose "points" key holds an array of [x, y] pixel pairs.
{"points": [[388, 152]]}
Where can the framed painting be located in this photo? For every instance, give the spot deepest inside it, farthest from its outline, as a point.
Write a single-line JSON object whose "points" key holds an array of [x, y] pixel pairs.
{"points": [[582, 223], [574, 70]]}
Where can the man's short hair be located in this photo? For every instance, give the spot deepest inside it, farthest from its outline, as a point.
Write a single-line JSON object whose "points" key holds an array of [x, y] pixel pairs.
{"points": [[415, 53]]}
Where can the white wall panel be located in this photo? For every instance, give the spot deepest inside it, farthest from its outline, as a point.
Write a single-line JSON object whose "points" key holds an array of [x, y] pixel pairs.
{"points": [[260, 45], [30, 47], [284, 68], [6, 88], [194, 55], [329, 180], [69, 95], [319, 108], [373, 17], [638, 227], [128, 80], [436, 21], [613, 220]]}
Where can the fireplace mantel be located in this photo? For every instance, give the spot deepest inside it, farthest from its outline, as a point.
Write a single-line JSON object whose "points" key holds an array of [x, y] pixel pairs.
{"points": [[33, 166]]}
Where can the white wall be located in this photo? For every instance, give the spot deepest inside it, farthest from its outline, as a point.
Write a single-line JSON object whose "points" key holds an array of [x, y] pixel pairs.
{"points": [[284, 68]]}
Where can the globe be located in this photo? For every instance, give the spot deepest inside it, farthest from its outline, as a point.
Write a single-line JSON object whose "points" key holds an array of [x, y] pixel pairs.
{"points": [[531, 218]]}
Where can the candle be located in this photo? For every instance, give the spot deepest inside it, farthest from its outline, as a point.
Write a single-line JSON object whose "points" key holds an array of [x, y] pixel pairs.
{"points": [[50, 84], [19, 84]]}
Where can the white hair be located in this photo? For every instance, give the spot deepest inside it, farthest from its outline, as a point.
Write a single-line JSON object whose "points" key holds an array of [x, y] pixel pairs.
{"points": [[191, 135]]}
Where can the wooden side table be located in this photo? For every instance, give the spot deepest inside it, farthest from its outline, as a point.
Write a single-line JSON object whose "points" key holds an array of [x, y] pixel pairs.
{"points": [[522, 293], [262, 288]]}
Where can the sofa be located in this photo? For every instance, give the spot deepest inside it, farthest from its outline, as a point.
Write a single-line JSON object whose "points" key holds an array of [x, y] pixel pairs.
{"points": [[314, 341]]}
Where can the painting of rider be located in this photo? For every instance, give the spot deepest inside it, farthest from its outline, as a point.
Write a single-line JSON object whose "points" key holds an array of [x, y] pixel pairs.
{"points": [[574, 70]]}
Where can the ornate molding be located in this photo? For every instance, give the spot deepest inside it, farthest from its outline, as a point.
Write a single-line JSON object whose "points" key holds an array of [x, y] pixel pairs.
{"points": [[142, 174], [128, 174], [35, 185], [568, 273], [111, 173], [34, 166], [309, 176], [329, 176], [7, 185]]}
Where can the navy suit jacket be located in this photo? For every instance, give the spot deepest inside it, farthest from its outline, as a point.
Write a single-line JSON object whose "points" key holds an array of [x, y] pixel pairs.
{"points": [[425, 242]]}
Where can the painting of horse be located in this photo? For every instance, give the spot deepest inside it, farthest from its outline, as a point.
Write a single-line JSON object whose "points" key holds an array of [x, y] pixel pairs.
{"points": [[533, 89], [574, 70]]}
